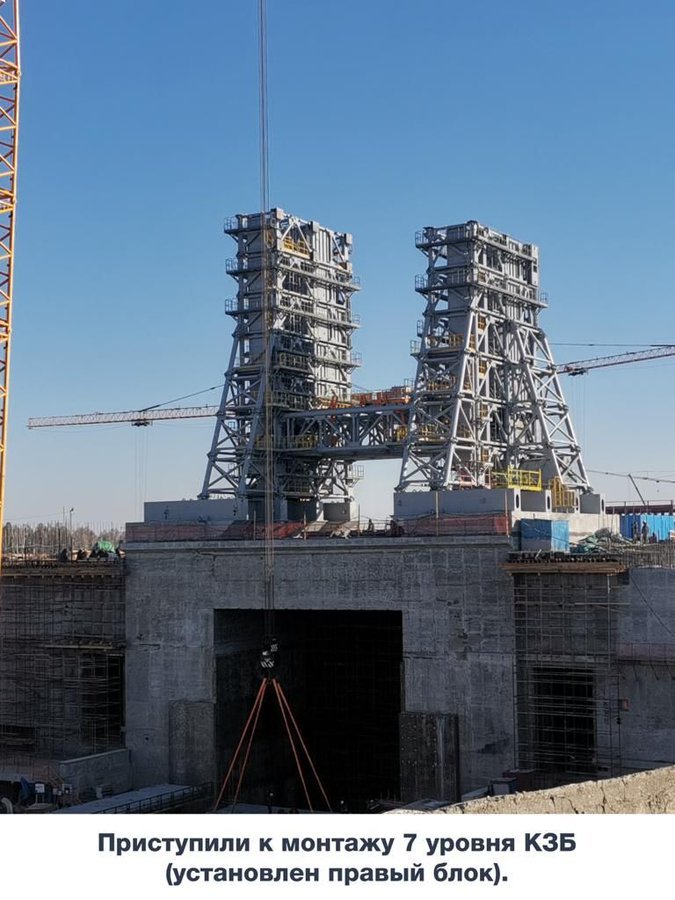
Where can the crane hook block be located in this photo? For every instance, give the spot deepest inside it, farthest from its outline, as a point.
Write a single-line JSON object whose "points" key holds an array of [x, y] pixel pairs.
{"points": [[269, 656]]}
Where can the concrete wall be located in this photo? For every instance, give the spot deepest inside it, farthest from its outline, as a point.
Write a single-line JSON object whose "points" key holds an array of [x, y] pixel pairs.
{"points": [[475, 501], [429, 755], [455, 601], [644, 792], [456, 604], [111, 771], [646, 656], [189, 510]]}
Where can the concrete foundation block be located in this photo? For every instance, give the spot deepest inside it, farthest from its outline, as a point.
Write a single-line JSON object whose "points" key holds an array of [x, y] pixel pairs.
{"points": [[190, 511], [429, 756], [592, 503], [471, 501]]}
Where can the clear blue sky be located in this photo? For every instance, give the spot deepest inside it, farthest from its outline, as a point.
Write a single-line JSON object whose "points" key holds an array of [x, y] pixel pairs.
{"points": [[552, 121]]}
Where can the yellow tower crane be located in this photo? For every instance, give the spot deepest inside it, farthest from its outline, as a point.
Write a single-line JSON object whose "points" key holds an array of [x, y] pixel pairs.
{"points": [[10, 73]]}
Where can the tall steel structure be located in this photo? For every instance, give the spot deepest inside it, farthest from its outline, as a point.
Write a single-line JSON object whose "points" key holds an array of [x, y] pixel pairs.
{"points": [[487, 397], [486, 410], [308, 343], [9, 140]]}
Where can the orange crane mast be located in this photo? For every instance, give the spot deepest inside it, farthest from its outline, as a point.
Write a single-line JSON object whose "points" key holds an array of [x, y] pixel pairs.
{"points": [[10, 74]]}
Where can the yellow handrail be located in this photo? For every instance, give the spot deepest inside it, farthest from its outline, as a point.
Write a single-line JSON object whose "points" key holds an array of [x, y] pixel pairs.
{"points": [[511, 477]]}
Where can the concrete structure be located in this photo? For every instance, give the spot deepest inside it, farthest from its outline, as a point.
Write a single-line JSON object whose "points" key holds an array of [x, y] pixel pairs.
{"points": [[204, 511], [427, 661], [442, 650], [62, 677], [103, 773], [423, 665], [567, 677], [61, 660]]}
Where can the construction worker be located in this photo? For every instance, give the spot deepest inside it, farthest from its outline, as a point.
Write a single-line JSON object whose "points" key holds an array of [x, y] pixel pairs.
{"points": [[645, 532]]}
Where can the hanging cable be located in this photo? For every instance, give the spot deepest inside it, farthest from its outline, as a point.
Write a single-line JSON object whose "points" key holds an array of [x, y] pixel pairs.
{"points": [[638, 477], [268, 323], [216, 387], [296, 742], [268, 656]]}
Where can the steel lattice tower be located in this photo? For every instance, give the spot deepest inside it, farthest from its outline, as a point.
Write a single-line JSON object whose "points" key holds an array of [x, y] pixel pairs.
{"points": [[9, 144], [486, 396], [306, 347]]}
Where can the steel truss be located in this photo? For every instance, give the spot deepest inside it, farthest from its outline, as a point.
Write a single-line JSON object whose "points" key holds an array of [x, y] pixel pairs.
{"points": [[308, 355], [353, 433], [487, 395]]}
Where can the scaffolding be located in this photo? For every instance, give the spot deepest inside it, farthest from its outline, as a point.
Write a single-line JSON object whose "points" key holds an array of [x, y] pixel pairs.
{"points": [[61, 662], [566, 691]]}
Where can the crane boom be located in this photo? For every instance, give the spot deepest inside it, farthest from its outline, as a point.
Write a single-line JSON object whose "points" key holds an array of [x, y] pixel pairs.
{"points": [[581, 366], [147, 416], [135, 416], [10, 73]]}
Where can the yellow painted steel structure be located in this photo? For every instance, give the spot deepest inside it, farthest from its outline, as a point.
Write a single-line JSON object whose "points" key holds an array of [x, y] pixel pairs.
{"points": [[10, 73], [512, 477], [563, 499]]}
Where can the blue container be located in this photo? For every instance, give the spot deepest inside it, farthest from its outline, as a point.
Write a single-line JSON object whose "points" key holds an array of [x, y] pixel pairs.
{"points": [[660, 525], [545, 534]]}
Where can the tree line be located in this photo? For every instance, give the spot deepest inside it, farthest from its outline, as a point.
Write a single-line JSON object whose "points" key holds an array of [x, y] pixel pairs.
{"points": [[50, 538]]}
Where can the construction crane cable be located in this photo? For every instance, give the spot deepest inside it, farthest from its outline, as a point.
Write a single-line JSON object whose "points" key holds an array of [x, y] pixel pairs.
{"points": [[284, 702], [295, 740], [581, 366], [253, 715], [638, 477], [578, 367], [267, 314], [598, 344], [270, 646], [247, 753], [294, 750], [216, 387]]}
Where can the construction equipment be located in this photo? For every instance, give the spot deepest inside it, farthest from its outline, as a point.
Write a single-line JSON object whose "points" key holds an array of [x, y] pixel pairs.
{"points": [[267, 423], [398, 396], [137, 417], [298, 747], [582, 366], [10, 74]]}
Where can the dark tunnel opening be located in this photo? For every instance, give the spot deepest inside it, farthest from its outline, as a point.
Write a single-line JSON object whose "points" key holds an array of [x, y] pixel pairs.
{"points": [[341, 674]]}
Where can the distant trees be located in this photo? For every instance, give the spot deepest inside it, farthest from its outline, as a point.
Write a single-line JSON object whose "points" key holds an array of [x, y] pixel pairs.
{"points": [[49, 538]]}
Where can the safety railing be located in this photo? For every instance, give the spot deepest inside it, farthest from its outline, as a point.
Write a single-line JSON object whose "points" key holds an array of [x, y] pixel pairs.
{"points": [[298, 248], [512, 477]]}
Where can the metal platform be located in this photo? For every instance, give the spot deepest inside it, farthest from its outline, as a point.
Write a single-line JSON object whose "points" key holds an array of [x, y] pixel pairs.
{"points": [[155, 799]]}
